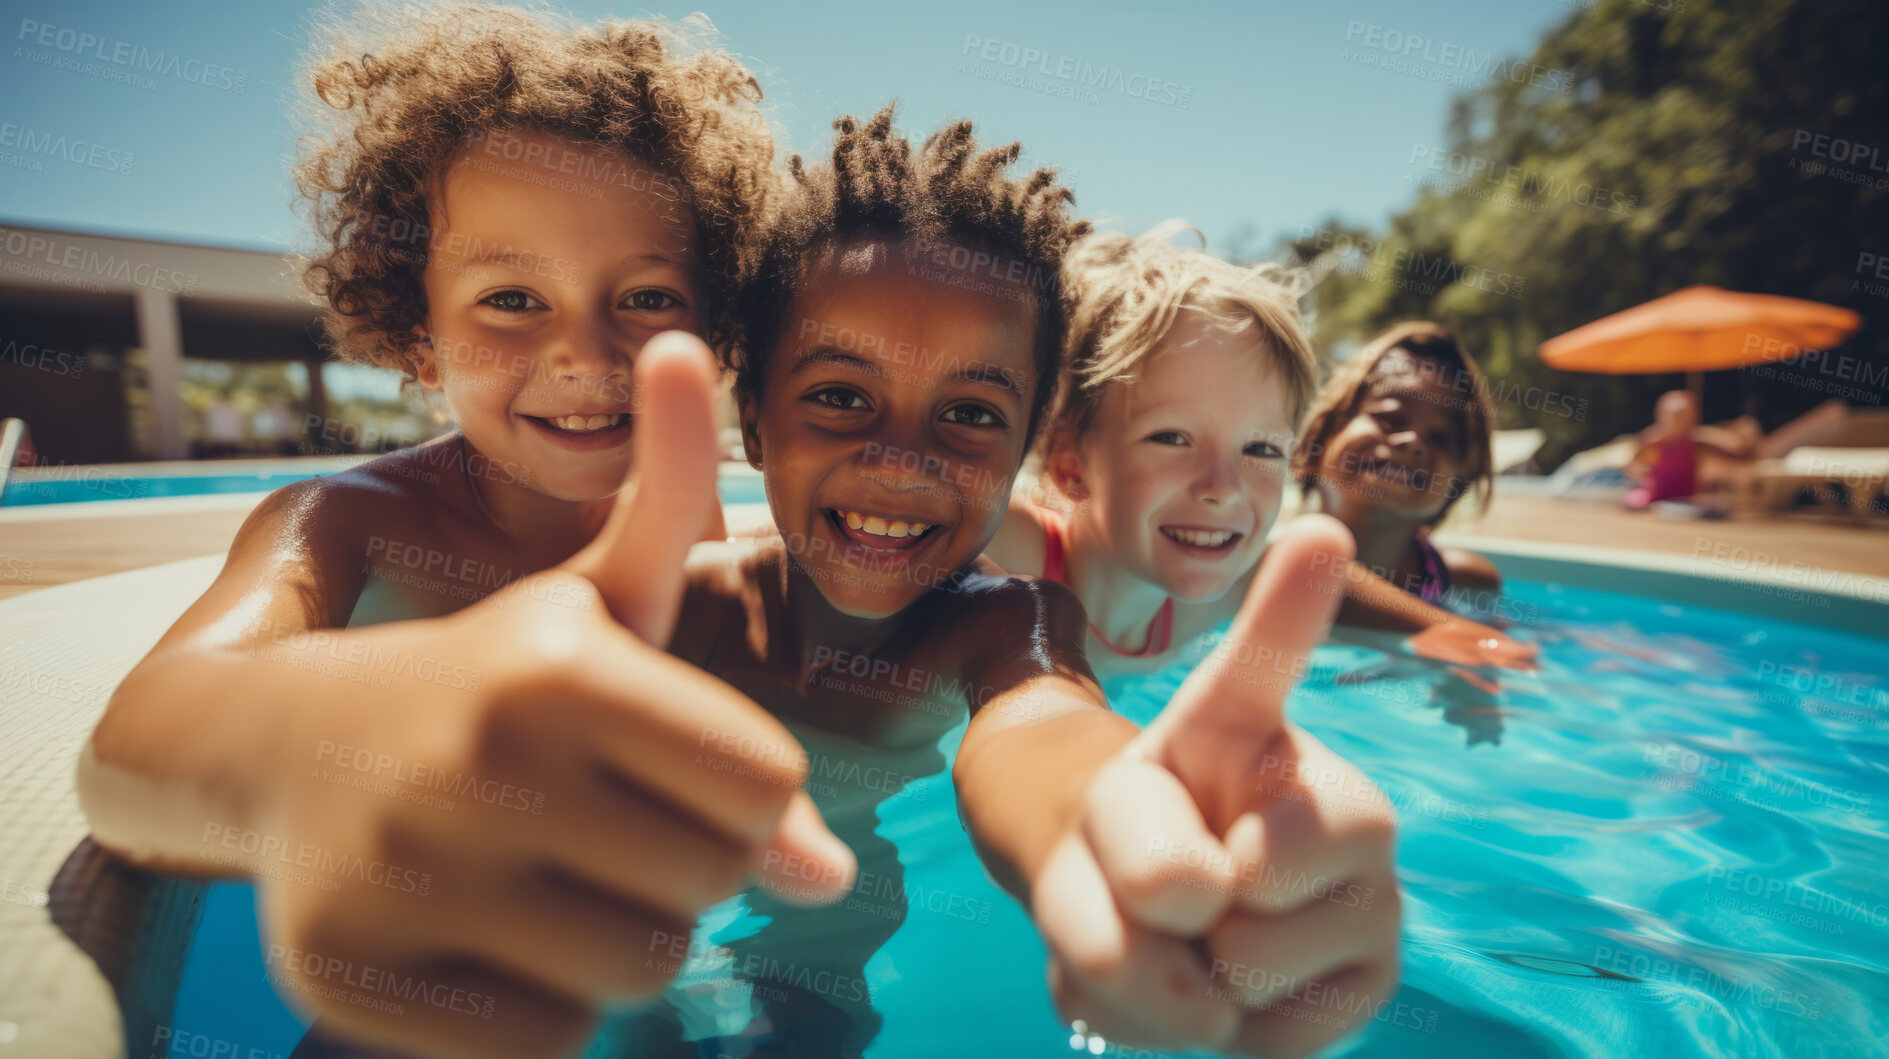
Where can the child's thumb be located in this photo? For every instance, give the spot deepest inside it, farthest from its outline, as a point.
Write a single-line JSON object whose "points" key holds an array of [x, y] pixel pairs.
{"points": [[804, 862], [636, 560]]}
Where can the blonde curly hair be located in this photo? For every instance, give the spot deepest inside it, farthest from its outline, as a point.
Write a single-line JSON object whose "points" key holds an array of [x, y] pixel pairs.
{"points": [[1125, 293], [398, 91]]}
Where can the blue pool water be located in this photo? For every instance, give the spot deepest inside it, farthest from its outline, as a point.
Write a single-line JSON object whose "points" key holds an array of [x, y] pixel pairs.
{"points": [[85, 485], [81, 487], [1668, 842]]}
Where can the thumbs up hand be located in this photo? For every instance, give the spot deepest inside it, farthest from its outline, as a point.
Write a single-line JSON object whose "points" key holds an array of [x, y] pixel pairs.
{"points": [[635, 561], [629, 790], [1228, 881], [636, 564]]}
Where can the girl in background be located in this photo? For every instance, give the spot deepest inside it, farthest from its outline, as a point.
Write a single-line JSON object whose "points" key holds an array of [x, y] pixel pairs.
{"points": [[1396, 438]]}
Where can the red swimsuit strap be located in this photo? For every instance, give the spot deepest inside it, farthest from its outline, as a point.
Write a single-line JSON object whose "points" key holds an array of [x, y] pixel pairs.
{"points": [[1055, 568], [1053, 547]]}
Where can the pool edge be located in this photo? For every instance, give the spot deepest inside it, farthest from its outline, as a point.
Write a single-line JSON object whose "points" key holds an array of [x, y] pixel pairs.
{"points": [[1810, 595]]}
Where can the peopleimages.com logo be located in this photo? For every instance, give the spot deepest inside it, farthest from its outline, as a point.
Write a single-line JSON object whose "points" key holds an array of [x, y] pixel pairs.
{"points": [[1447, 62], [34, 144], [130, 59], [1074, 73]]}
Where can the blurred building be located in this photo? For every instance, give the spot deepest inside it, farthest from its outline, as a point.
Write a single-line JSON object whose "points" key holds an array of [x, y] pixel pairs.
{"points": [[95, 330]]}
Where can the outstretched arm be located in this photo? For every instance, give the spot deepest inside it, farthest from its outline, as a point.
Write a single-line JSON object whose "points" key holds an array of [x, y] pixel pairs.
{"points": [[181, 740], [1220, 880], [1371, 602], [466, 765], [1032, 749]]}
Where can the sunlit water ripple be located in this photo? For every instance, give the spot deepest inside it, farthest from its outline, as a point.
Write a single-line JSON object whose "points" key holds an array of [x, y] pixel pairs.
{"points": [[1666, 842]]}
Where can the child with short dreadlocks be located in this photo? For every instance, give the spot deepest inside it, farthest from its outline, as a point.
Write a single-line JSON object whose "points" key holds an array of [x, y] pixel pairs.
{"points": [[901, 342]]}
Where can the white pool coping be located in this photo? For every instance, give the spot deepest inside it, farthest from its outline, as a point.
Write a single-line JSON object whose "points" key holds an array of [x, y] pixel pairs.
{"points": [[1743, 580]]}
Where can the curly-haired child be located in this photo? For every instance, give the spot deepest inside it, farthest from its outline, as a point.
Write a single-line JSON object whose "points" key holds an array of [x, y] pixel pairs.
{"points": [[508, 209]]}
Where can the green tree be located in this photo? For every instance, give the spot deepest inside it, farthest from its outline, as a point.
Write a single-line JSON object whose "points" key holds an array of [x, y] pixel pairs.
{"points": [[1742, 143]]}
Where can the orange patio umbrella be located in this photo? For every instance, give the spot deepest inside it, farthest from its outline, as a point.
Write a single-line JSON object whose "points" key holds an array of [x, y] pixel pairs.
{"points": [[1700, 329]]}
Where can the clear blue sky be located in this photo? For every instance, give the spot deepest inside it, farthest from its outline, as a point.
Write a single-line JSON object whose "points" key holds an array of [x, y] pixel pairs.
{"points": [[1281, 130]]}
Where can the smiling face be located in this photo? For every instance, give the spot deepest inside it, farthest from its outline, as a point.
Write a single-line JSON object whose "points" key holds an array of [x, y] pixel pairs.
{"points": [[550, 265], [1404, 449], [1180, 472], [891, 426]]}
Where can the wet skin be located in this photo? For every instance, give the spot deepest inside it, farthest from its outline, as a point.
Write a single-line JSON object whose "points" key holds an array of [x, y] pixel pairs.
{"points": [[894, 398]]}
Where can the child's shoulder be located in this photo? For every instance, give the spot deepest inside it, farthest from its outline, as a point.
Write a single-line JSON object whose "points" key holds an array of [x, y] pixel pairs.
{"points": [[307, 539], [1021, 543], [1471, 570], [1003, 609], [393, 476], [444, 465], [328, 499], [411, 484], [1000, 629]]}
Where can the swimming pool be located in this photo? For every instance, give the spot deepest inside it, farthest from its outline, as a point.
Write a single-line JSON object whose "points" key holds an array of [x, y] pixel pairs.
{"points": [[76, 486], [1668, 841], [28, 487]]}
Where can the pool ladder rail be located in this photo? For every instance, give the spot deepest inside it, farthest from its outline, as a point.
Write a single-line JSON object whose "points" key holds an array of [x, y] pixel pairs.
{"points": [[13, 437]]}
